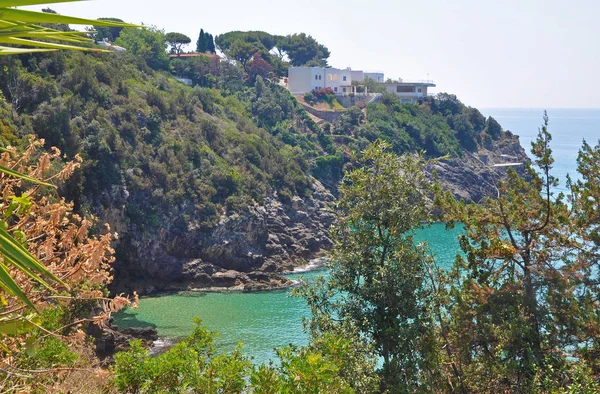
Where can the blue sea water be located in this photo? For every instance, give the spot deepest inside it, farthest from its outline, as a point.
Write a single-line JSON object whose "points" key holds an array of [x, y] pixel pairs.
{"points": [[569, 128], [266, 320]]}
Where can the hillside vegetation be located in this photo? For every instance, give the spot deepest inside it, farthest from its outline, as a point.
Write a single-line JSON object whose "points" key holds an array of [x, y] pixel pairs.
{"points": [[222, 185], [164, 163]]}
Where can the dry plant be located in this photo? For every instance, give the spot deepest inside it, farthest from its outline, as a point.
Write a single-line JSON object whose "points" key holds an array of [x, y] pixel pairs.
{"points": [[60, 239]]}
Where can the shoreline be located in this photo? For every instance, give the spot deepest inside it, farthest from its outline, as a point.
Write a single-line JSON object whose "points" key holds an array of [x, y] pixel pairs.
{"points": [[315, 264]]}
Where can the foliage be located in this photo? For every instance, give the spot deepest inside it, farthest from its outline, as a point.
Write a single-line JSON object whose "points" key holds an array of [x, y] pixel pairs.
{"points": [[242, 52], [189, 365], [205, 42], [176, 41], [260, 39], [279, 51], [109, 33], [258, 67], [381, 275], [522, 308], [161, 150], [47, 228], [40, 31], [149, 44], [302, 50], [193, 365], [440, 126], [310, 98]]}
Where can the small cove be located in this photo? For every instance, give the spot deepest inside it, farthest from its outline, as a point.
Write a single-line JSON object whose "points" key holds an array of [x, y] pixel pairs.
{"points": [[261, 320], [265, 320]]}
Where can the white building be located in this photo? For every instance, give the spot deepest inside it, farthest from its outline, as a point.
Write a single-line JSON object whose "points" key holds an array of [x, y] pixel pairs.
{"points": [[409, 91], [306, 79], [302, 80]]}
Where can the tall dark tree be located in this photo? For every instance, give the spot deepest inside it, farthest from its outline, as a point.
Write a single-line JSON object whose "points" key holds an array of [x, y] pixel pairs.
{"points": [[210, 45], [201, 44]]}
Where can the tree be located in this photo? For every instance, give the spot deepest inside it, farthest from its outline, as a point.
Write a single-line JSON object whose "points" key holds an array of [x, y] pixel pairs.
{"points": [[523, 306], [261, 40], [210, 46], [150, 44], [202, 43], [493, 128], [176, 41], [381, 275], [110, 33], [258, 67], [242, 52], [446, 104], [302, 49]]}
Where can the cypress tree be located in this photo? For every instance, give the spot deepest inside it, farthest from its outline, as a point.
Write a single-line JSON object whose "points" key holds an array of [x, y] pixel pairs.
{"points": [[211, 44], [201, 46]]}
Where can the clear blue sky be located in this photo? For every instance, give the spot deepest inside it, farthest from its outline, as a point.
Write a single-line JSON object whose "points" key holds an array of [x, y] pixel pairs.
{"points": [[509, 53]]}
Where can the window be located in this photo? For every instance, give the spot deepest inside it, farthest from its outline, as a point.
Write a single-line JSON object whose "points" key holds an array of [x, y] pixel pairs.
{"points": [[319, 77], [405, 89], [344, 90], [419, 90], [335, 89], [316, 77], [344, 78]]}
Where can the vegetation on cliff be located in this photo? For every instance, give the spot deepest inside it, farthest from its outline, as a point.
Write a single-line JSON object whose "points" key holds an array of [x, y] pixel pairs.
{"points": [[163, 160], [517, 313]]}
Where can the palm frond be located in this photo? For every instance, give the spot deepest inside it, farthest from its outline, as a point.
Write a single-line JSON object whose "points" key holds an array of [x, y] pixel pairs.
{"points": [[21, 28]]}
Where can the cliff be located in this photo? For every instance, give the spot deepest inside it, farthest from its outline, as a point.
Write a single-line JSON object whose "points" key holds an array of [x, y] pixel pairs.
{"points": [[229, 183]]}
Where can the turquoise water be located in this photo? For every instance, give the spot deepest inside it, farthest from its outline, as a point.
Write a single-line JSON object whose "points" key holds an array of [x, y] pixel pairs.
{"points": [[263, 320], [266, 320]]}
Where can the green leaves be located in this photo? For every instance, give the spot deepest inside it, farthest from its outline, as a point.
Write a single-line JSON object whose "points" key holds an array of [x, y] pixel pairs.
{"points": [[15, 254], [16, 174], [20, 27]]}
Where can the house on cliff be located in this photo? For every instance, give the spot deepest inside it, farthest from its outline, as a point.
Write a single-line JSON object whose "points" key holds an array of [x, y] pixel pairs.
{"points": [[306, 79], [408, 91], [344, 82]]}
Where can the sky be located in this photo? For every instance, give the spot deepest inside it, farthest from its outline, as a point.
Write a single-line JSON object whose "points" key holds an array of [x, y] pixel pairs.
{"points": [[491, 54]]}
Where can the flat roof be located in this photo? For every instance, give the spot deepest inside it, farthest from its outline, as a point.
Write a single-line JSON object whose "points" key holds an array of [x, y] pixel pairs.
{"points": [[410, 83]]}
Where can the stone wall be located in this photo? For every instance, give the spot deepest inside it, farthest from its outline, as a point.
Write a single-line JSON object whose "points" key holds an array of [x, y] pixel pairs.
{"points": [[329, 116]]}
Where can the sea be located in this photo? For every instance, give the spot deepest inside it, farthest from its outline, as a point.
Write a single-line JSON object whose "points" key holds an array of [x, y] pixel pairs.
{"points": [[264, 321]]}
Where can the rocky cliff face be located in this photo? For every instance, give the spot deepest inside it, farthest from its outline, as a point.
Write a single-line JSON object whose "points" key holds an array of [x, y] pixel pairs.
{"points": [[248, 250], [475, 176], [245, 251]]}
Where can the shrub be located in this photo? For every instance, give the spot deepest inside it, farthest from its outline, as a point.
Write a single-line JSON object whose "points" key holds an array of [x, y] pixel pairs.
{"points": [[310, 98]]}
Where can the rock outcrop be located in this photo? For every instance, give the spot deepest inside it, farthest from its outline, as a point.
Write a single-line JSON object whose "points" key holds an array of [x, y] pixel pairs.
{"points": [[109, 340], [245, 251], [475, 175]]}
